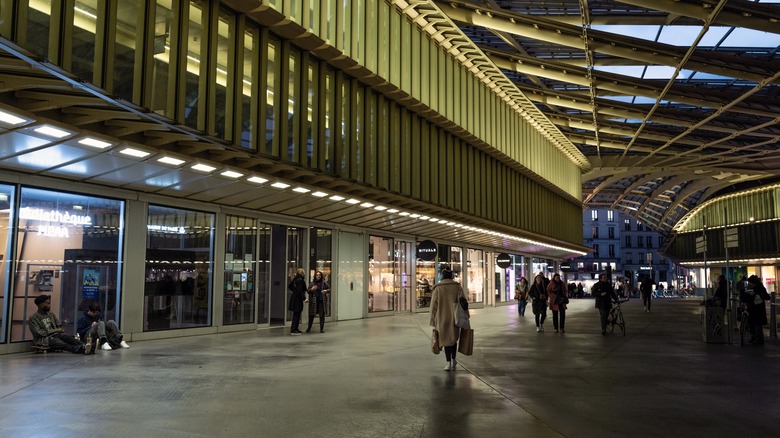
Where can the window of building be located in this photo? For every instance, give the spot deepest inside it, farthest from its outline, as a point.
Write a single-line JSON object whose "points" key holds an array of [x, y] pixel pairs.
{"points": [[649, 258], [639, 226], [628, 241], [195, 74], [594, 231], [381, 274], [660, 241], [611, 232], [240, 270], [629, 258], [596, 250], [612, 250], [640, 243], [70, 249], [7, 200], [476, 276], [649, 240], [179, 256], [594, 215], [595, 267], [641, 257], [627, 225], [610, 216]]}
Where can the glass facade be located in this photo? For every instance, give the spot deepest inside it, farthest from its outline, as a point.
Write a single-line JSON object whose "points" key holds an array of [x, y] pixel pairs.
{"points": [[179, 260], [381, 275], [321, 245], [7, 218], [68, 247], [476, 275], [240, 270]]}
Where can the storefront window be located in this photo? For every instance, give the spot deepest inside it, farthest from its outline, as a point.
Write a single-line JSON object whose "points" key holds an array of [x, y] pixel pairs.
{"points": [[426, 272], [476, 276], [68, 248], [179, 255], [6, 201], [451, 256], [240, 262], [381, 275], [321, 247], [513, 274], [263, 277]]}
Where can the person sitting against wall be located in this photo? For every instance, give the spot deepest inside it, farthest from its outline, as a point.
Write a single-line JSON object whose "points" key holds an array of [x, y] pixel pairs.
{"points": [[98, 333], [47, 330]]}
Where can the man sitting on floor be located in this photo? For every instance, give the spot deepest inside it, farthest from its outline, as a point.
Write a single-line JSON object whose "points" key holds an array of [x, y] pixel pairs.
{"points": [[95, 331], [47, 330]]}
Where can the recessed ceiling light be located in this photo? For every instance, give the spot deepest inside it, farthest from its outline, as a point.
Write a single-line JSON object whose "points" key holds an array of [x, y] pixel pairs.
{"points": [[404, 213], [51, 131], [319, 194], [380, 208], [257, 180], [10, 118], [134, 152], [280, 185], [393, 210], [424, 217], [301, 190], [336, 198], [95, 143], [171, 161], [366, 205], [433, 219], [414, 215], [231, 174], [353, 201], [203, 168]]}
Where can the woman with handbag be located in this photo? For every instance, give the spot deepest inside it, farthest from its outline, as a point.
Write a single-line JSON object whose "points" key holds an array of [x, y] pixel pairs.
{"points": [[556, 291], [539, 302], [445, 296]]}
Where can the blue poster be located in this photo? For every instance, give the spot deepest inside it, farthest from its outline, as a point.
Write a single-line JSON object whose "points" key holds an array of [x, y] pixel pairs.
{"points": [[91, 284]]}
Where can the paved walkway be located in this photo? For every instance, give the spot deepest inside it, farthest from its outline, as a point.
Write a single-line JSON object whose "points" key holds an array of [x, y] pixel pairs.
{"points": [[377, 378]]}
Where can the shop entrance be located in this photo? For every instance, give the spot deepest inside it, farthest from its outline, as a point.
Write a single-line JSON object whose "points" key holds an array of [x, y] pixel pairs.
{"points": [[287, 255], [404, 278]]}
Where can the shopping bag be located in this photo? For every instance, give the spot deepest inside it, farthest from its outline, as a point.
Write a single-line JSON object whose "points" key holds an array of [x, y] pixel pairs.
{"points": [[466, 342], [435, 342]]}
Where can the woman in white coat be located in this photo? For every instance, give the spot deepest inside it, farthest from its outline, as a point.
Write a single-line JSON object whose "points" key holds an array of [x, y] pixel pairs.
{"points": [[446, 293]]}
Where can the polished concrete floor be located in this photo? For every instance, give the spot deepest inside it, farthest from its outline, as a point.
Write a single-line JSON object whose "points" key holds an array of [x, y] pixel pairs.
{"points": [[378, 378]]}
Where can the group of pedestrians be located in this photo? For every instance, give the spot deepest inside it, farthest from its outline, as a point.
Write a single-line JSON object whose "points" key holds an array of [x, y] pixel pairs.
{"points": [[319, 295], [544, 293], [93, 332]]}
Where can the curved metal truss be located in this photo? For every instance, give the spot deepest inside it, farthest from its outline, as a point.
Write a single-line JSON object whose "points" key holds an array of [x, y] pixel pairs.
{"points": [[672, 101]]}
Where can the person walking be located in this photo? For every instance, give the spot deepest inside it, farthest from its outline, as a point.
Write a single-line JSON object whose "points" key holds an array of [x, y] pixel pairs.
{"points": [[298, 288], [756, 308], [319, 292], [605, 295], [521, 295], [721, 296], [646, 287], [538, 296], [556, 292], [444, 297]]}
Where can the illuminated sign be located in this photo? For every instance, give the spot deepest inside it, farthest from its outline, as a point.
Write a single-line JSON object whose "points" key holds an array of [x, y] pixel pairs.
{"points": [[426, 251], [503, 260], [166, 229], [645, 268], [51, 221]]}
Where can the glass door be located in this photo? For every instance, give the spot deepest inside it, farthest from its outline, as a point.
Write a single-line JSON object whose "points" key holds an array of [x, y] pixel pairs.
{"points": [[404, 278]]}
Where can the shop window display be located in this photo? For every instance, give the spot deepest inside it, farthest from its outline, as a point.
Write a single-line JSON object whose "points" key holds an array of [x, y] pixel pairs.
{"points": [[68, 248], [240, 270], [381, 275], [475, 281], [179, 255]]}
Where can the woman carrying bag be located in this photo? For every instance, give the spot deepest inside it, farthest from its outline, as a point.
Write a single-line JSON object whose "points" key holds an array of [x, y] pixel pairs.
{"points": [[556, 291], [445, 296], [521, 295]]}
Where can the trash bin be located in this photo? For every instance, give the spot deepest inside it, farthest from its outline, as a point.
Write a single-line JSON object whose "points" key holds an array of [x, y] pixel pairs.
{"points": [[713, 330]]}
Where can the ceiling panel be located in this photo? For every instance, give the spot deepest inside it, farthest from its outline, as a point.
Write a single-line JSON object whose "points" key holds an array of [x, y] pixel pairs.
{"points": [[45, 158]]}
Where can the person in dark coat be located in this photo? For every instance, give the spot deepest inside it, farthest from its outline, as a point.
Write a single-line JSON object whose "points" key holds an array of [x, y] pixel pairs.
{"points": [[538, 294], [721, 296], [298, 288], [756, 308], [605, 295], [319, 293], [646, 287]]}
